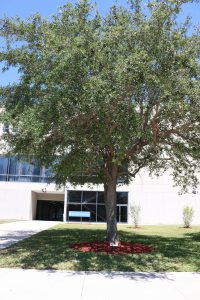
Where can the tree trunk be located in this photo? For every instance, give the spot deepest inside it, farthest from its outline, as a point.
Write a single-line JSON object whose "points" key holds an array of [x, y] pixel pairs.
{"points": [[110, 199]]}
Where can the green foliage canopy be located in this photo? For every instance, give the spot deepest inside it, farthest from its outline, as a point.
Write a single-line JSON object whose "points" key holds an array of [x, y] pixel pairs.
{"points": [[97, 92]]}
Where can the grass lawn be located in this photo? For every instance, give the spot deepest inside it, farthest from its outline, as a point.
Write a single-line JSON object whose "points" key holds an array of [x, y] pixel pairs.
{"points": [[176, 249]]}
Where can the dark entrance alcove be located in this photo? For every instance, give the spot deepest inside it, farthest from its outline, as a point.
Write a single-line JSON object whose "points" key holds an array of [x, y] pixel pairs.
{"points": [[49, 210]]}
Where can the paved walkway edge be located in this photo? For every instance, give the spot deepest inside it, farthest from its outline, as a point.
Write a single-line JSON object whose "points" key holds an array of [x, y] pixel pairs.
{"points": [[87, 285]]}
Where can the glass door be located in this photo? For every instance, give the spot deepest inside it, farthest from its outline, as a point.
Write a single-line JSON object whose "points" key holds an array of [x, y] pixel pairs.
{"points": [[122, 213]]}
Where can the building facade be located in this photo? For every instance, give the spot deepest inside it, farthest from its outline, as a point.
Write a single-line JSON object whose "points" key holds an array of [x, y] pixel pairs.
{"points": [[25, 194]]}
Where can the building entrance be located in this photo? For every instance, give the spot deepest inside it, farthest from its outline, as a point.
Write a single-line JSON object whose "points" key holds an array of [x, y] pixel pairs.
{"points": [[49, 210]]}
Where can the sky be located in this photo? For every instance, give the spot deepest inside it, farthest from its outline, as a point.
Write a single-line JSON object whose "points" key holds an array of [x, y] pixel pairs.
{"points": [[25, 8]]}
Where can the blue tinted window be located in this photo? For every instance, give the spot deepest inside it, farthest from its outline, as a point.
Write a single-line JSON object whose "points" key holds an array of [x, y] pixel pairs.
{"points": [[26, 168], [3, 178], [3, 165], [36, 169], [12, 169]]}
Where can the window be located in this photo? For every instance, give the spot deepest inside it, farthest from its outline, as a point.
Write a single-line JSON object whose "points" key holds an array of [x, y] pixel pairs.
{"points": [[74, 196], [13, 169], [3, 165], [89, 197], [122, 198], [93, 203]]}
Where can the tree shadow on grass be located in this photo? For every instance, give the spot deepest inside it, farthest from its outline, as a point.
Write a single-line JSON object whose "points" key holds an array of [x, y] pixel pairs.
{"points": [[195, 236], [50, 250]]}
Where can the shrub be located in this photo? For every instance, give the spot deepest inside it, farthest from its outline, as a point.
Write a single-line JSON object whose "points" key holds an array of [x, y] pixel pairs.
{"points": [[135, 214], [188, 213]]}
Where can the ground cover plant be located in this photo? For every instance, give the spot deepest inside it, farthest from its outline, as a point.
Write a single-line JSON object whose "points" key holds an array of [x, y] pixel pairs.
{"points": [[188, 213], [135, 214], [176, 249]]}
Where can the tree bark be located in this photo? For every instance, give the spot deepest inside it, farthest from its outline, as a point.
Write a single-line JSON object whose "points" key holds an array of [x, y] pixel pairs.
{"points": [[110, 199]]}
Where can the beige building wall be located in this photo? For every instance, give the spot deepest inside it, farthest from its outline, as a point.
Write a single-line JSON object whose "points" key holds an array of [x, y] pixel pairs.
{"points": [[18, 200], [15, 201], [159, 200]]}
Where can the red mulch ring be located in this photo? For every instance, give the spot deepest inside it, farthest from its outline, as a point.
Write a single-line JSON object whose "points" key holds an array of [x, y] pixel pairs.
{"points": [[104, 247]]}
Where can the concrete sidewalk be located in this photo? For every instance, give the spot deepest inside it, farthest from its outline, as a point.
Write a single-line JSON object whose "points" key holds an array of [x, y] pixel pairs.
{"points": [[34, 284], [14, 232]]}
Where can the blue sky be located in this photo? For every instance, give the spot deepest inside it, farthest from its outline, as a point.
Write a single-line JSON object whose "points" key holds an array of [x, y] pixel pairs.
{"points": [[25, 8]]}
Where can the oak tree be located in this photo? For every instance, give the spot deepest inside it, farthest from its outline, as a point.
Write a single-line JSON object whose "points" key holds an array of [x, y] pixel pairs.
{"points": [[100, 97]]}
